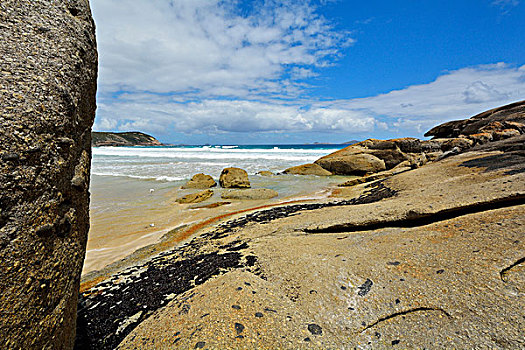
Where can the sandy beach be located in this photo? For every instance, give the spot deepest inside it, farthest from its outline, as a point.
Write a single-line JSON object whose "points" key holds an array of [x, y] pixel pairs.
{"points": [[126, 215]]}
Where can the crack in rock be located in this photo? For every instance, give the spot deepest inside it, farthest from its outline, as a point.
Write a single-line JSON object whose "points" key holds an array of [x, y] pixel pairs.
{"points": [[403, 313], [415, 219], [503, 273]]}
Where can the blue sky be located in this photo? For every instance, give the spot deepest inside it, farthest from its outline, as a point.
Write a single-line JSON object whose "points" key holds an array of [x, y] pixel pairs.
{"points": [[252, 72]]}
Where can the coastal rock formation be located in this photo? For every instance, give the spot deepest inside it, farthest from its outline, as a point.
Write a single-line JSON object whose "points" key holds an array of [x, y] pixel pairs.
{"points": [[200, 181], [47, 106], [308, 169], [124, 139], [265, 173], [502, 121], [250, 194], [449, 138], [234, 178], [195, 197], [427, 258], [351, 163]]}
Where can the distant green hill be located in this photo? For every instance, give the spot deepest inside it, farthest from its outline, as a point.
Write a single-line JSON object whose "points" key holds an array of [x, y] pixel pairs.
{"points": [[133, 138]]}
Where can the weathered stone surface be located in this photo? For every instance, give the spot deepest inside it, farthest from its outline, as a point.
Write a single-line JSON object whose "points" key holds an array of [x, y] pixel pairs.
{"points": [[492, 119], [308, 169], [265, 173], [234, 178], [250, 194], [200, 181], [48, 74], [126, 139], [352, 164], [443, 256], [195, 197]]}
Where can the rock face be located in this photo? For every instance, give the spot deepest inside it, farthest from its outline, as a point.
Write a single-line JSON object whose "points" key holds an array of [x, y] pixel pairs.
{"points": [[195, 197], [200, 181], [498, 120], [450, 138], [250, 194], [123, 139], [47, 107], [351, 164], [308, 169], [234, 178]]}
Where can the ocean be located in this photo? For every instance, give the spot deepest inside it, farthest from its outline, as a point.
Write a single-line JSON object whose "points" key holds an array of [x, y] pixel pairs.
{"points": [[176, 163], [133, 189]]}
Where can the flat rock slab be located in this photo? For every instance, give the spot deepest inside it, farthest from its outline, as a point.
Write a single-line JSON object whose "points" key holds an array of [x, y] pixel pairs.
{"points": [[250, 194]]}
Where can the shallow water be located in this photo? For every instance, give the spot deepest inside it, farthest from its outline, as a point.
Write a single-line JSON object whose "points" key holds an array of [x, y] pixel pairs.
{"points": [[133, 191]]}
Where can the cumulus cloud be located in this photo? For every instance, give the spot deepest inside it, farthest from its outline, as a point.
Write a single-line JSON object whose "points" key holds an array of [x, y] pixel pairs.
{"points": [[210, 48], [212, 67], [413, 110]]}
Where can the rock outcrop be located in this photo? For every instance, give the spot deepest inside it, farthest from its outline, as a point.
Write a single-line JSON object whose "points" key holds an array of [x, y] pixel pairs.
{"points": [[428, 258], [47, 106], [200, 181], [351, 163], [195, 197], [501, 122], [250, 194], [308, 169], [123, 139], [450, 138], [234, 178]]}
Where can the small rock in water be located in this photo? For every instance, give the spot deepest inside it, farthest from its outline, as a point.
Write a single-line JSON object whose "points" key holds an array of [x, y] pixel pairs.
{"points": [[151, 190], [200, 345]]}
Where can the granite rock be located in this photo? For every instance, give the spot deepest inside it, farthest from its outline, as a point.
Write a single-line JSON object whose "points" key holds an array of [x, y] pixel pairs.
{"points": [[308, 169], [47, 106], [200, 181], [234, 178]]}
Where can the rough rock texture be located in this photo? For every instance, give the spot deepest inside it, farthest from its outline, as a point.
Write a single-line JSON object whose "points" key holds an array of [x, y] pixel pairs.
{"points": [[234, 178], [429, 258], [127, 139], [351, 164], [449, 139], [48, 74], [511, 116], [200, 181], [195, 197], [250, 194], [265, 173], [308, 169]]}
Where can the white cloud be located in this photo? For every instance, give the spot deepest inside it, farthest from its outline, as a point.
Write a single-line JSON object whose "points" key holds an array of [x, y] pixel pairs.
{"points": [[206, 48], [411, 111]]}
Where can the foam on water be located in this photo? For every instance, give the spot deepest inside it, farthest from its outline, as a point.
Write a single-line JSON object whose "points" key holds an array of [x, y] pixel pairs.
{"points": [[180, 163]]}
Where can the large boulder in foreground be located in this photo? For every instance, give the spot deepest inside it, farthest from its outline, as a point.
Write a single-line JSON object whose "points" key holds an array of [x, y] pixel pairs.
{"points": [[234, 178], [499, 120], [47, 107], [308, 169], [200, 181], [250, 194]]}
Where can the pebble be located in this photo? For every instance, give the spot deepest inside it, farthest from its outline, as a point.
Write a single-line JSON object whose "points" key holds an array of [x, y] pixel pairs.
{"points": [[239, 328], [315, 329]]}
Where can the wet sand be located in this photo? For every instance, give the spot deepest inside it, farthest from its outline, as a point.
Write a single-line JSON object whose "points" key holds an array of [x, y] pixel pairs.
{"points": [[126, 215]]}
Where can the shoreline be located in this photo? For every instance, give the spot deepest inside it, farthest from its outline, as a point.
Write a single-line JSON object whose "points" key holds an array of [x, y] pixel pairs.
{"points": [[172, 237], [384, 243]]}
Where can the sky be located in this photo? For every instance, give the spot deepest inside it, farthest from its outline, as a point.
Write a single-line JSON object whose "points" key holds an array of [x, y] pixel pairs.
{"points": [[290, 71]]}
